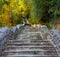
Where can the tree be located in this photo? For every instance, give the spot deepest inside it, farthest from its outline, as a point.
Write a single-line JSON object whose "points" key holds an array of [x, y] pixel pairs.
{"points": [[45, 10], [13, 11], [4, 13]]}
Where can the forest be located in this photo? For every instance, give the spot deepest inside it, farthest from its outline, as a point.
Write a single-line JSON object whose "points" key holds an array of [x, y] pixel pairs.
{"points": [[36, 11]]}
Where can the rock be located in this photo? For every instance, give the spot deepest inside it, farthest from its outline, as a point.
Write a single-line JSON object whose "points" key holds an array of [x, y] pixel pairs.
{"points": [[55, 32], [13, 29], [3, 31], [19, 26], [57, 25]]}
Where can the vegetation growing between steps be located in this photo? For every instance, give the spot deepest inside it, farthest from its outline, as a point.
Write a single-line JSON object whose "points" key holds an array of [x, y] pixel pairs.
{"points": [[36, 11], [35, 52]]}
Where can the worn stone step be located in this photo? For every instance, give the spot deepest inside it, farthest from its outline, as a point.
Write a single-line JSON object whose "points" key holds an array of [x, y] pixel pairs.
{"points": [[39, 47], [31, 56], [29, 44], [28, 50], [49, 52], [31, 47], [27, 41], [32, 32], [32, 40], [31, 53], [35, 38]]}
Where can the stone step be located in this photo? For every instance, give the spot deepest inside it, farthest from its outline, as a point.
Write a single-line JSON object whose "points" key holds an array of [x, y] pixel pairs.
{"points": [[31, 56], [30, 53], [25, 51], [33, 32], [32, 40], [39, 47], [27, 41], [35, 38], [29, 34], [29, 47], [29, 44], [28, 50]]}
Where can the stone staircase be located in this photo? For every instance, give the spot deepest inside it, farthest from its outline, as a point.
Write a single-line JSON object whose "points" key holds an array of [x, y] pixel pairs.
{"points": [[29, 43]]}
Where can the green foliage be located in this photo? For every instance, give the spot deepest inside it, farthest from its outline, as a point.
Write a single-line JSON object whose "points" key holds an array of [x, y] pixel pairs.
{"points": [[35, 52], [0, 24], [46, 10], [36, 11], [33, 21]]}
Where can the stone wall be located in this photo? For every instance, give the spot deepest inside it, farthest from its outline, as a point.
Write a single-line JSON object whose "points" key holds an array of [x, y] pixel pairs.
{"points": [[55, 38], [9, 34], [51, 35]]}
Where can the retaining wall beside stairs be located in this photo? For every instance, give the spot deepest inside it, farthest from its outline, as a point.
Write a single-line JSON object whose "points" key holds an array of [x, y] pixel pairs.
{"points": [[9, 34], [51, 35]]}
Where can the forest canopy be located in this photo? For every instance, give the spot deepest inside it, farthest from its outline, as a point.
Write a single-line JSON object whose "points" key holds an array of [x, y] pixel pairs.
{"points": [[36, 11]]}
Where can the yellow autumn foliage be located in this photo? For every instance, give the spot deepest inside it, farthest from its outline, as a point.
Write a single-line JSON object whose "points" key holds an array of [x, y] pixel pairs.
{"points": [[6, 19], [6, 7], [11, 5], [12, 12]]}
